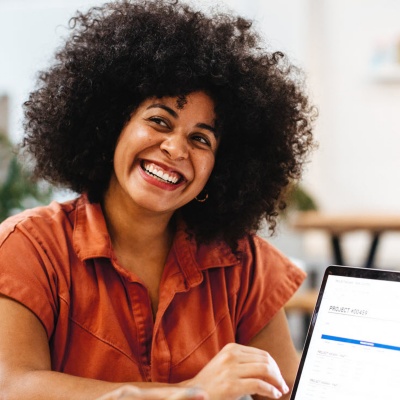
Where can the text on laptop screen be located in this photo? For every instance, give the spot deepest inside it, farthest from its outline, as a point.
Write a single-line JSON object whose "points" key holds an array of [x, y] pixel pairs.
{"points": [[354, 352]]}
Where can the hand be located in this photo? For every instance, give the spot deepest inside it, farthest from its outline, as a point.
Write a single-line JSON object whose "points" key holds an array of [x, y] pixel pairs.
{"points": [[239, 370], [130, 392]]}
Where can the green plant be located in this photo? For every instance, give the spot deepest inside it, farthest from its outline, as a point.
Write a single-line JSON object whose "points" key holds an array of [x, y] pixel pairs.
{"points": [[17, 189], [298, 198]]}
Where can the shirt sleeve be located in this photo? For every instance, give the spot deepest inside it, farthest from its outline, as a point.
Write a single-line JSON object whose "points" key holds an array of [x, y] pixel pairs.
{"points": [[27, 274], [268, 281]]}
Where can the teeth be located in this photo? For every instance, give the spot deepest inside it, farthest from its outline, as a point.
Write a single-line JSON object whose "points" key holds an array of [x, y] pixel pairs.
{"points": [[164, 176]]}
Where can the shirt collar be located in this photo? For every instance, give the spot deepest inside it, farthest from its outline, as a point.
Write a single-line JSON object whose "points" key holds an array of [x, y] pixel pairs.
{"points": [[194, 258], [91, 240], [90, 237]]}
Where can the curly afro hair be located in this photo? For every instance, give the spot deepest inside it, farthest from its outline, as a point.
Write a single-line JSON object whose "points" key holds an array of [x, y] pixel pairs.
{"points": [[124, 52]]}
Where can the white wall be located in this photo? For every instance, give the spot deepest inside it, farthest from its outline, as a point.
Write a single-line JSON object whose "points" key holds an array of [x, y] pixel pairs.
{"points": [[30, 30], [359, 127], [357, 167]]}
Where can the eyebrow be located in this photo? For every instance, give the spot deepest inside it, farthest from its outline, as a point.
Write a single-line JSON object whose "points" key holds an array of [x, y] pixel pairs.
{"points": [[208, 127], [175, 115], [164, 107]]}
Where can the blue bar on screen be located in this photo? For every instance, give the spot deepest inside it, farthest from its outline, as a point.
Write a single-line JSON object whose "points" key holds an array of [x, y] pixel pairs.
{"points": [[360, 342]]}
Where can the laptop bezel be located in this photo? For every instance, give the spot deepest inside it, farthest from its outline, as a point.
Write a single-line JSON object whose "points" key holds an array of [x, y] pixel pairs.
{"points": [[345, 271]]}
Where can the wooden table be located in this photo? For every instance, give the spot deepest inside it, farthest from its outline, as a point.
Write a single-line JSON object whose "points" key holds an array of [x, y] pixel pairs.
{"points": [[338, 224], [303, 301]]}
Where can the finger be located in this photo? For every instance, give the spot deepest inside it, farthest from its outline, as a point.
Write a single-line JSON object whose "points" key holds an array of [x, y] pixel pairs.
{"points": [[266, 370], [258, 364], [260, 387]]}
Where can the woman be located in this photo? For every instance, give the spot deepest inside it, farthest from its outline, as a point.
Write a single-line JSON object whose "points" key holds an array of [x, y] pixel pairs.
{"points": [[180, 134]]}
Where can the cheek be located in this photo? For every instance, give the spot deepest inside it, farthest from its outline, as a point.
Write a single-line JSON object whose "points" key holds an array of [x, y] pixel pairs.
{"points": [[207, 165], [133, 141], [134, 133], [124, 155]]}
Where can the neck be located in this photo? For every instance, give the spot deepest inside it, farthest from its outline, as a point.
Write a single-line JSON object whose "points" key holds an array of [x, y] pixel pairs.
{"points": [[136, 229]]}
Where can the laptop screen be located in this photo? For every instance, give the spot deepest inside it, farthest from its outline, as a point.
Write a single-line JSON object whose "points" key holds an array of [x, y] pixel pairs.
{"points": [[352, 349]]}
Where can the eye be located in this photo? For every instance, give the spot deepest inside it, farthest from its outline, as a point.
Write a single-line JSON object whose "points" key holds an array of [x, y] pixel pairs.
{"points": [[201, 139], [159, 121]]}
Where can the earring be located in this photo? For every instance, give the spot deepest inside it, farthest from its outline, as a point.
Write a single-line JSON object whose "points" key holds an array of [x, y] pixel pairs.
{"points": [[203, 199]]}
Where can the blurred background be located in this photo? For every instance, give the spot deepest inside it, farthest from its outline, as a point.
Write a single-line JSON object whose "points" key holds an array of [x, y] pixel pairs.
{"points": [[350, 53]]}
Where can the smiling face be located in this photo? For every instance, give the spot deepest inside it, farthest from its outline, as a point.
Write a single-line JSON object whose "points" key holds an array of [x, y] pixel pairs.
{"points": [[165, 154]]}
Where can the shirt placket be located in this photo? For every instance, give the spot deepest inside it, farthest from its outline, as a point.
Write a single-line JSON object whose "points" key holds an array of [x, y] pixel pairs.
{"points": [[173, 282], [143, 317]]}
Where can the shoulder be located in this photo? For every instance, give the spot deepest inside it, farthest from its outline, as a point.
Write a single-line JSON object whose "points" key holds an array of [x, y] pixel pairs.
{"points": [[257, 258], [262, 259], [49, 220], [255, 248]]}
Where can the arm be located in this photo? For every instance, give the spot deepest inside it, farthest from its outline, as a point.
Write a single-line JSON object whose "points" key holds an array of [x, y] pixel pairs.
{"points": [[25, 366], [129, 392], [275, 338]]}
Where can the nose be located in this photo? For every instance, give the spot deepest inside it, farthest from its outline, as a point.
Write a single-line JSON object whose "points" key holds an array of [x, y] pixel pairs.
{"points": [[175, 147]]}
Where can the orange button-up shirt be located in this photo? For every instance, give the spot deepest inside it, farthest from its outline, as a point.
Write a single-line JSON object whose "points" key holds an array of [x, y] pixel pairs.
{"points": [[58, 261]]}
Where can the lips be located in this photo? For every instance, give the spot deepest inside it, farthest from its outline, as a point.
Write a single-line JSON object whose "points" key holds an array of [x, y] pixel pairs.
{"points": [[156, 171]]}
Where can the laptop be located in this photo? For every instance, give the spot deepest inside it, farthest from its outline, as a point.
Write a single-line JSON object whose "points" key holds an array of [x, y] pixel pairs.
{"points": [[352, 348]]}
